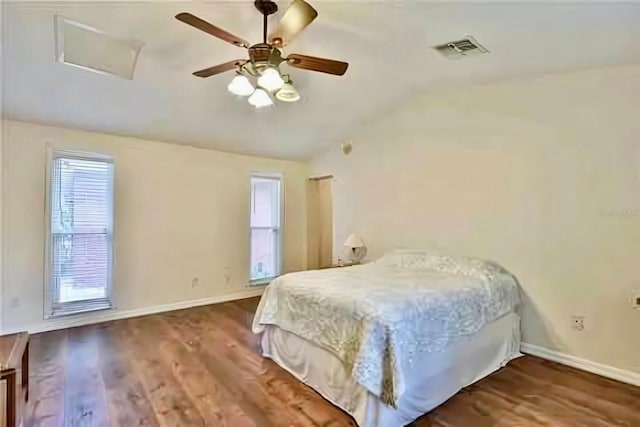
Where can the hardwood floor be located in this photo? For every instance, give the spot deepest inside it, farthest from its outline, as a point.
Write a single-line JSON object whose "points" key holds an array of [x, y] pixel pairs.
{"points": [[202, 367]]}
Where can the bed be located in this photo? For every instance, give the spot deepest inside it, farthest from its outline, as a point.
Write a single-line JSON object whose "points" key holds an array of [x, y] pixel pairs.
{"points": [[390, 340]]}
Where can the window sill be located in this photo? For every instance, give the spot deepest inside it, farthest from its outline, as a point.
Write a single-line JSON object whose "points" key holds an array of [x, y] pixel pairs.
{"points": [[71, 309], [261, 282]]}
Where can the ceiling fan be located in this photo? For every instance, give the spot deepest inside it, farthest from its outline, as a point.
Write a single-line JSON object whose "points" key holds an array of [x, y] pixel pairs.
{"points": [[265, 58]]}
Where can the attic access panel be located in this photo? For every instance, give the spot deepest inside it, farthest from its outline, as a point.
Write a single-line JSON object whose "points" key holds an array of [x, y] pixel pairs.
{"points": [[82, 46]]}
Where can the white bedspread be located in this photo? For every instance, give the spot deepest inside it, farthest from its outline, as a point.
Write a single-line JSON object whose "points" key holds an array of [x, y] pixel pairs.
{"points": [[376, 318]]}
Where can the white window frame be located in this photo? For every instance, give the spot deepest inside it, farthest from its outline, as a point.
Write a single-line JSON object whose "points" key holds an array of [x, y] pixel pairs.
{"points": [[52, 310], [275, 177]]}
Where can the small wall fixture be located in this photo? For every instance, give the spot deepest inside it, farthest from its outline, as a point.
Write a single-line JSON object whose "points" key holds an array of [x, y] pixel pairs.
{"points": [[347, 147]]}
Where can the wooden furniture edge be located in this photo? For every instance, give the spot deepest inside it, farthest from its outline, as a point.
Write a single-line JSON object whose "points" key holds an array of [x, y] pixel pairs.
{"points": [[9, 375], [15, 358]]}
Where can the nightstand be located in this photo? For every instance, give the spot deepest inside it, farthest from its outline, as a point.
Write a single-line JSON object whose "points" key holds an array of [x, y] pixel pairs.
{"points": [[14, 378]]}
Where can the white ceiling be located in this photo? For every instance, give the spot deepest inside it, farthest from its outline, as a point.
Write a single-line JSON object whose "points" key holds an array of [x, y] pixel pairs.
{"points": [[387, 45]]}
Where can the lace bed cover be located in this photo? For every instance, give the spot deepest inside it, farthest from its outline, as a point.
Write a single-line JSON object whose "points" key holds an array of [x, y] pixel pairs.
{"points": [[377, 317]]}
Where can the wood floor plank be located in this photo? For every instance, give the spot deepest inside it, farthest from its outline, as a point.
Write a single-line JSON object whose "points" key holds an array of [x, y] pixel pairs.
{"points": [[213, 346], [171, 404], [127, 400], [277, 382], [214, 402], [85, 403], [202, 367], [46, 379]]}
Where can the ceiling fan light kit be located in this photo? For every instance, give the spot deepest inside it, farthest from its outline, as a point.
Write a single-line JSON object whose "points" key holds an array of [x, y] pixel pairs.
{"points": [[265, 58]]}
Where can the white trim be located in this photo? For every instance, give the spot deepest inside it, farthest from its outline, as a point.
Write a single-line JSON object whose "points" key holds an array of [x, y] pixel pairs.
{"points": [[58, 153], [603, 370], [108, 315], [4, 295], [49, 290], [279, 177], [262, 282]]}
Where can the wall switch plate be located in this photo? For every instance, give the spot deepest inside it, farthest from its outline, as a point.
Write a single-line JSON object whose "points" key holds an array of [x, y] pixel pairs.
{"points": [[577, 323]]}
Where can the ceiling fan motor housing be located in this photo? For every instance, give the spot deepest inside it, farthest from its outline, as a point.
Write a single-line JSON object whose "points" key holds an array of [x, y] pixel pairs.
{"points": [[264, 55], [259, 53]]}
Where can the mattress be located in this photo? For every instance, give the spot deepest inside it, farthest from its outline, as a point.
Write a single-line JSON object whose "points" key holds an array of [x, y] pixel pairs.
{"points": [[378, 319], [434, 378]]}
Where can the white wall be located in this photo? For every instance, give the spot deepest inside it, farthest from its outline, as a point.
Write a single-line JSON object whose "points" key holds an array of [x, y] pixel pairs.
{"points": [[180, 213], [524, 173]]}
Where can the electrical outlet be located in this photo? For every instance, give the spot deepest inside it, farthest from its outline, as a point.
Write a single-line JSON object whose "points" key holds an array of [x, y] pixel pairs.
{"points": [[195, 282], [577, 323], [15, 302]]}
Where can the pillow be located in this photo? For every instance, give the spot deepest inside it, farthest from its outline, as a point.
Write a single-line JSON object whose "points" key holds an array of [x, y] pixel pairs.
{"points": [[448, 264], [408, 258]]}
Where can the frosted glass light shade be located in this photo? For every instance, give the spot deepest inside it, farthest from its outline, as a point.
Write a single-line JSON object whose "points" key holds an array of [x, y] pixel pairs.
{"points": [[288, 93], [270, 79], [260, 98], [241, 86]]}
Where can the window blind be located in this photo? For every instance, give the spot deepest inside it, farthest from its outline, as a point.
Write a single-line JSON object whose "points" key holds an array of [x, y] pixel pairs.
{"points": [[81, 234], [265, 227]]}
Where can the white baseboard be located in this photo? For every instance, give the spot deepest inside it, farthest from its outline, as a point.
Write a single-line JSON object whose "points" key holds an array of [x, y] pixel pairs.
{"points": [[607, 371], [107, 315]]}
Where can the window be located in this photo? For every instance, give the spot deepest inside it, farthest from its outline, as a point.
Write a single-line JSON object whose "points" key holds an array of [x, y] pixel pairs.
{"points": [[80, 238], [265, 227]]}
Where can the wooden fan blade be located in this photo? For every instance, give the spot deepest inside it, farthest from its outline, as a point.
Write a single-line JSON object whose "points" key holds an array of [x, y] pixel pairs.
{"points": [[295, 19], [313, 63], [202, 25], [220, 68]]}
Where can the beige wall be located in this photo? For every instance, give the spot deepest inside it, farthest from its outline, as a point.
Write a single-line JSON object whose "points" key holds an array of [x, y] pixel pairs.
{"points": [[524, 173], [180, 213]]}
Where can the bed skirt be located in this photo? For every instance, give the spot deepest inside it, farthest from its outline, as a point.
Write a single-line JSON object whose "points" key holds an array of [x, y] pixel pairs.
{"points": [[435, 377]]}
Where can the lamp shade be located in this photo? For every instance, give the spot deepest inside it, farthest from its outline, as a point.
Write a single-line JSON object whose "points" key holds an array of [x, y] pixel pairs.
{"points": [[354, 241]]}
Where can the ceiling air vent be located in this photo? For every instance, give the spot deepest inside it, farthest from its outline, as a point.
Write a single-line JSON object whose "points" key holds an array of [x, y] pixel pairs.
{"points": [[467, 46]]}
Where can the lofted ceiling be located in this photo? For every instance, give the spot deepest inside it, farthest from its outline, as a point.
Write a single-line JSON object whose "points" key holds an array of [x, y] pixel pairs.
{"points": [[388, 46]]}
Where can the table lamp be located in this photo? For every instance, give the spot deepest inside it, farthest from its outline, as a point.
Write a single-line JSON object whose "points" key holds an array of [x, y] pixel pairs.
{"points": [[357, 249]]}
